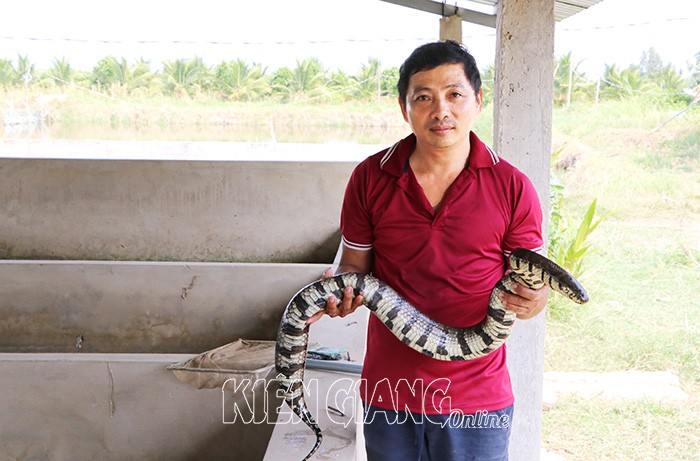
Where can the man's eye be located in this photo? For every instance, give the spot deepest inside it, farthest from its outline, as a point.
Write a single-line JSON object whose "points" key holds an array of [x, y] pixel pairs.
{"points": [[422, 97]]}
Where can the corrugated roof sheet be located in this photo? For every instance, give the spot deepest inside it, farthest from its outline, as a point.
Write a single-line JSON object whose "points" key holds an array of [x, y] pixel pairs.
{"points": [[562, 8]]}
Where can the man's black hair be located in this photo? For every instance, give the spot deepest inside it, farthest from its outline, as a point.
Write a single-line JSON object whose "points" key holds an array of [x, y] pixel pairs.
{"points": [[432, 55]]}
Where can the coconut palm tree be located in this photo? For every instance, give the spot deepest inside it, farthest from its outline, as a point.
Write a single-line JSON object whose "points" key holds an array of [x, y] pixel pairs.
{"points": [[569, 83], [488, 82], [61, 73], [672, 84], [340, 84], [669, 79], [619, 84], [390, 81], [23, 73], [367, 83], [241, 82], [6, 72], [129, 77], [633, 82], [303, 83], [181, 77], [118, 75]]}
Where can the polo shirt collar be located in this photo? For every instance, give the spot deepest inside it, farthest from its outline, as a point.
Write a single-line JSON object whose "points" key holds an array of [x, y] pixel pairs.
{"points": [[394, 159]]}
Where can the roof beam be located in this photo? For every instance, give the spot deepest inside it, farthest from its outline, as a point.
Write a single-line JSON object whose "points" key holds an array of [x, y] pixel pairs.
{"points": [[442, 9]]}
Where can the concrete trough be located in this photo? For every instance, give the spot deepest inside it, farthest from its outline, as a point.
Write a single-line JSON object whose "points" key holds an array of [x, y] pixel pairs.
{"points": [[85, 348], [118, 263], [85, 380]]}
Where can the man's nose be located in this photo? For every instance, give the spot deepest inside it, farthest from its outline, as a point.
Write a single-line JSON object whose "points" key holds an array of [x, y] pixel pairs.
{"points": [[440, 108]]}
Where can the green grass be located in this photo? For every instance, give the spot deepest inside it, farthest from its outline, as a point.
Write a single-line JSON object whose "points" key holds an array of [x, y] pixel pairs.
{"points": [[586, 430], [642, 277]]}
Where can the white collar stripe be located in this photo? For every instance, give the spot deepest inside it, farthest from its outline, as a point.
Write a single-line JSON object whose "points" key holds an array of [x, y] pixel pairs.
{"points": [[388, 155], [494, 157]]}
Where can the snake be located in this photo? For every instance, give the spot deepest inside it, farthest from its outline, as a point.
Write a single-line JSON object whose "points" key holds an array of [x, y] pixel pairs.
{"points": [[407, 323]]}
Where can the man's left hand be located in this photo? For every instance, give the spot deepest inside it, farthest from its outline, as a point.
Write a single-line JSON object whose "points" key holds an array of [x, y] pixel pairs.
{"points": [[526, 302]]}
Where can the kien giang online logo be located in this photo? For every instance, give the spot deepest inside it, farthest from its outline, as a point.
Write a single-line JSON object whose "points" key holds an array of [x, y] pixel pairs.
{"points": [[258, 402]]}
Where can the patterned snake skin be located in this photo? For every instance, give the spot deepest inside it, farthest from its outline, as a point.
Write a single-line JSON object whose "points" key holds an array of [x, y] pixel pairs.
{"points": [[413, 328]]}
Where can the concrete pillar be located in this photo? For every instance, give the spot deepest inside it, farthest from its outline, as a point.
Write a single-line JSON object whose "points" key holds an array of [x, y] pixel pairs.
{"points": [[451, 28], [523, 135]]}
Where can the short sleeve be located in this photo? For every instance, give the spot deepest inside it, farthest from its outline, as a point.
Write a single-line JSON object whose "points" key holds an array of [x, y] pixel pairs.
{"points": [[355, 218], [525, 230]]}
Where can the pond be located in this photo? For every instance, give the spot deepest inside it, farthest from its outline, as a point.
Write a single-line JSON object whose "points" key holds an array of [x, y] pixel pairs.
{"points": [[263, 132], [206, 142]]}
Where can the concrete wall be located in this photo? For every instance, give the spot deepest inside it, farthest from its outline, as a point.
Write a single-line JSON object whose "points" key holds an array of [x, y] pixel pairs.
{"points": [[83, 407], [139, 307], [170, 210]]}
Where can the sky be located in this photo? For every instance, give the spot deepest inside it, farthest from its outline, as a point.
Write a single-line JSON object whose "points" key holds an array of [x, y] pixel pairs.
{"points": [[341, 34]]}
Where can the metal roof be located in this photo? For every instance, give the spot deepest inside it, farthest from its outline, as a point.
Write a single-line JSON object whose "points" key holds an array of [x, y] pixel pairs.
{"points": [[565, 8], [483, 12]]}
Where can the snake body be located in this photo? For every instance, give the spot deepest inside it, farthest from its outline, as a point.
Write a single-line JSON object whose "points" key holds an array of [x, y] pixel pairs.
{"points": [[407, 323]]}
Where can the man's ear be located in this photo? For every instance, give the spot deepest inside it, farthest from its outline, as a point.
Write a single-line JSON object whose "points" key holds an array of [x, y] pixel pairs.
{"points": [[402, 104]]}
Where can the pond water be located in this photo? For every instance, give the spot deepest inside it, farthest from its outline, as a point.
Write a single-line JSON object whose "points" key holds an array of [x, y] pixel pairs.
{"points": [[209, 142], [206, 132]]}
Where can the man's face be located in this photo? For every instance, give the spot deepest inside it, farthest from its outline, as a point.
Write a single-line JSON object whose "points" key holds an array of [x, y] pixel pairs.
{"points": [[441, 106]]}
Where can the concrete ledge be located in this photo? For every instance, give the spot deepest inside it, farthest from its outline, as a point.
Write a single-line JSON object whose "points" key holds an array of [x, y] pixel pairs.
{"points": [[84, 306], [660, 386], [210, 151], [292, 439]]}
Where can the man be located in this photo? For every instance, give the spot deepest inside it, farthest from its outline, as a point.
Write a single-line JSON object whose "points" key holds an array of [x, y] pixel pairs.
{"points": [[434, 216]]}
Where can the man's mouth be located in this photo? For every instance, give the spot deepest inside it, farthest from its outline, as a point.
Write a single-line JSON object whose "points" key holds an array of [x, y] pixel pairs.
{"points": [[441, 128]]}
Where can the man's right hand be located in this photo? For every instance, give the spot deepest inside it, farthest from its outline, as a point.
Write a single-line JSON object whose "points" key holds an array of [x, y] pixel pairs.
{"points": [[335, 307]]}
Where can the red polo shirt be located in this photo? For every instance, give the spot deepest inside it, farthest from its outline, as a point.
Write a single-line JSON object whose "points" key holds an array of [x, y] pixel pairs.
{"points": [[444, 262]]}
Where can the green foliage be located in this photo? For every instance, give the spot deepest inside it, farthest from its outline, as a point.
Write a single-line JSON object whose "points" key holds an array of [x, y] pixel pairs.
{"points": [[117, 76], [61, 73], [340, 84], [569, 83], [310, 81], [568, 249], [103, 73], [240, 82], [619, 84], [185, 78], [488, 81], [6, 72], [390, 80], [306, 82], [366, 85], [23, 73], [650, 77], [671, 83], [695, 72]]}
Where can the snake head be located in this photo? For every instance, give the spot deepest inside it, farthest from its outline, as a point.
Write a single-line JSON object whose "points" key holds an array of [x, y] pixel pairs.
{"points": [[534, 269]]}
